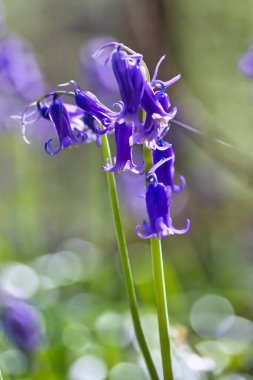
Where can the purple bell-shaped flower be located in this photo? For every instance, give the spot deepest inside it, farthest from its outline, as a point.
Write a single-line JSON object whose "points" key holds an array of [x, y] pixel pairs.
{"points": [[165, 171], [67, 135], [123, 160], [158, 209]]}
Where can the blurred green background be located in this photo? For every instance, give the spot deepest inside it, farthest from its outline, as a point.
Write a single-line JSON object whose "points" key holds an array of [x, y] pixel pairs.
{"points": [[57, 241]]}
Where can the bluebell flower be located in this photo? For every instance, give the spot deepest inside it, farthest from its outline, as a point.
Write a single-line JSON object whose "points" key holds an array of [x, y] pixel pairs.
{"points": [[130, 76], [89, 103], [246, 63], [40, 109], [165, 171], [21, 323], [67, 135], [123, 160], [74, 112], [158, 208], [158, 115], [79, 125]]}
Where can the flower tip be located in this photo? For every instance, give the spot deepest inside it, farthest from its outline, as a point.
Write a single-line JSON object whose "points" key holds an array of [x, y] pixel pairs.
{"points": [[138, 232], [72, 81], [187, 225], [172, 81], [105, 46], [23, 134], [18, 118], [25, 140], [185, 229]]}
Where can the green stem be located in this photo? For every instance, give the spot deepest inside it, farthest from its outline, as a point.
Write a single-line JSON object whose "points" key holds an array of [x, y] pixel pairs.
{"points": [[160, 291], [126, 264], [162, 309]]}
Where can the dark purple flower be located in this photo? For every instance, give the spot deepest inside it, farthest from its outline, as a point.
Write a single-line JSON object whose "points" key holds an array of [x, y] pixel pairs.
{"points": [[246, 63], [157, 118], [150, 103], [123, 159], [158, 209], [21, 323], [165, 171], [156, 105], [130, 76], [67, 135], [89, 103], [37, 110]]}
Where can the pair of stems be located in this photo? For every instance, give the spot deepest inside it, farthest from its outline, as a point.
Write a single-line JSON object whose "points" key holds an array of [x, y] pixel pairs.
{"points": [[159, 279]]}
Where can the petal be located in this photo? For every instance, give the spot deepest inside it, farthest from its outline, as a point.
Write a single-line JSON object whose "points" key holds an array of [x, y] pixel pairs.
{"points": [[49, 149], [184, 230]]}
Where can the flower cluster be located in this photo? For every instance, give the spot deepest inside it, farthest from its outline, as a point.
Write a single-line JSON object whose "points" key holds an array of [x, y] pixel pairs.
{"points": [[89, 118]]}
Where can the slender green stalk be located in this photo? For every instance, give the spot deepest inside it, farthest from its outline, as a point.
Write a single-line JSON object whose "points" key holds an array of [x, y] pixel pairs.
{"points": [[126, 264], [162, 309], [160, 291]]}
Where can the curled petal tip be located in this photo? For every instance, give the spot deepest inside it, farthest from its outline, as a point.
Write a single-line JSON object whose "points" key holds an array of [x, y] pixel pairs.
{"points": [[80, 136], [23, 134], [105, 46], [25, 140], [184, 230], [178, 188], [138, 232], [49, 149], [157, 67]]}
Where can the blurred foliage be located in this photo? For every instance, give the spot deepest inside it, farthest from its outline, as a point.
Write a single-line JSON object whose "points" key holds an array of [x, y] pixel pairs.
{"points": [[56, 219]]}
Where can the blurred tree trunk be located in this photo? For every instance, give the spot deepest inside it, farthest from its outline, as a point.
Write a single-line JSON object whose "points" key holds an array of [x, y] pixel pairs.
{"points": [[148, 23]]}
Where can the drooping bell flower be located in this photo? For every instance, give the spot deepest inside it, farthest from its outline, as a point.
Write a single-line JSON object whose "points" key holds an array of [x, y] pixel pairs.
{"points": [[158, 209], [123, 160], [156, 105], [40, 109], [90, 104], [67, 135], [21, 323], [165, 171], [130, 76], [157, 118]]}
